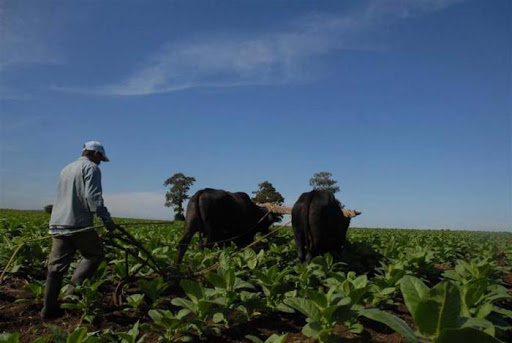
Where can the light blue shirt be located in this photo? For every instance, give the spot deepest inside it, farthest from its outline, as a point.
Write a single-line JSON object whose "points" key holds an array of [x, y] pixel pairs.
{"points": [[79, 196]]}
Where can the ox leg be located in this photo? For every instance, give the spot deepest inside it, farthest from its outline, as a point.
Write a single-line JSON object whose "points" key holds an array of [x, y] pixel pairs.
{"points": [[309, 257], [183, 245], [299, 241], [313, 250]]}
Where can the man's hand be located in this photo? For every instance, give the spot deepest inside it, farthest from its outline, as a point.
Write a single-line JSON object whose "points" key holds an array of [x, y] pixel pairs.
{"points": [[110, 225]]}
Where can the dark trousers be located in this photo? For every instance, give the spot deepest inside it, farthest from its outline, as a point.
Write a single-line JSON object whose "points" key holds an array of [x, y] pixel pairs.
{"points": [[89, 245]]}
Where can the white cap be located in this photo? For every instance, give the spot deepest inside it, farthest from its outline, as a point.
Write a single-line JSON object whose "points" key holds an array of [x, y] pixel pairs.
{"points": [[96, 146]]}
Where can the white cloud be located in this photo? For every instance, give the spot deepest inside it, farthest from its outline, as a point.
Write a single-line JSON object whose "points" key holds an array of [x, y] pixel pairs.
{"points": [[272, 58], [25, 32], [145, 205]]}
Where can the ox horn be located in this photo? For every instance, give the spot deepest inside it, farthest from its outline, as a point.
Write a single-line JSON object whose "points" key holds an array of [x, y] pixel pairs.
{"points": [[350, 213], [275, 208]]}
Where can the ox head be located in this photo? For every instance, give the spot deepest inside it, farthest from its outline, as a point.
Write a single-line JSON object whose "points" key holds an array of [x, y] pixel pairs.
{"points": [[350, 213]]}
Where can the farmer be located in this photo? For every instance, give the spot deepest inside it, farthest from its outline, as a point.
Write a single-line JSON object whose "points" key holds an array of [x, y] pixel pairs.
{"points": [[79, 197]]}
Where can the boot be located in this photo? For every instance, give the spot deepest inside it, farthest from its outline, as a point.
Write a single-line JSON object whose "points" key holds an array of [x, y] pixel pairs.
{"points": [[85, 270], [51, 307]]}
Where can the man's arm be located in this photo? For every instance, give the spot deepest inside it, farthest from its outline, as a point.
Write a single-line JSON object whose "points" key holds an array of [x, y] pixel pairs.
{"points": [[93, 192]]}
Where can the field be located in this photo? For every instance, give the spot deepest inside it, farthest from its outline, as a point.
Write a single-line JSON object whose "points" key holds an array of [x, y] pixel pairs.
{"points": [[390, 285]]}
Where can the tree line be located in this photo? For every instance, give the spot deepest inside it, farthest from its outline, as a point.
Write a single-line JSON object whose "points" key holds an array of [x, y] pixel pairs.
{"points": [[179, 185]]}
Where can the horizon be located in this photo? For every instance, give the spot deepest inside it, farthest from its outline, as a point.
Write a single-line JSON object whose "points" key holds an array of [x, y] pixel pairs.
{"points": [[289, 224], [407, 104]]}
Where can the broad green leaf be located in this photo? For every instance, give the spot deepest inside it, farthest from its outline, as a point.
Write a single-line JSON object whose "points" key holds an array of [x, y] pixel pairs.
{"points": [[284, 308], [185, 303], [413, 290], [318, 298], [439, 309], [250, 258], [306, 307], [93, 339], [312, 329], [219, 317], [193, 289], [164, 318], [347, 287], [360, 281], [70, 306], [241, 284], [135, 300], [392, 321], [204, 307], [275, 338], [253, 339], [474, 290], [338, 314], [480, 324], [343, 301], [484, 310], [10, 337], [229, 277], [356, 328], [465, 335], [387, 290], [216, 280], [77, 336], [262, 277]]}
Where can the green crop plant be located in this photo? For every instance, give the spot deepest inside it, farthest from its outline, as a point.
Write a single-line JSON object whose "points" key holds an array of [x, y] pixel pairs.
{"points": [[274, 286], [153, 289], [36, 289], [135, 301], [438, 313], [132, 335], [88, 300], [202, 306], [58, 335], [171, 327], [275, 338], [228, 285]]}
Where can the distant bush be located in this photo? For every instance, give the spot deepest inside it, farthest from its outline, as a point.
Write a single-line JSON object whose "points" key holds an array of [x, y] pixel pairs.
{"points": [[48, 209]]}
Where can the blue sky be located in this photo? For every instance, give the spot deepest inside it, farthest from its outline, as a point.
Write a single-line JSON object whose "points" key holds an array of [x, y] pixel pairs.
{"points": [[406, 103]]}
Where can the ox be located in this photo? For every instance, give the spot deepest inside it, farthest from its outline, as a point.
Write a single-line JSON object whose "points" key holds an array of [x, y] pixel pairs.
{"points": [[319, 224], [224, 217]]}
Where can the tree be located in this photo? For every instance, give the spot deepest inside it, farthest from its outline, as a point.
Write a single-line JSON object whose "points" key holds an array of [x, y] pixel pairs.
{"points": [[322, 180], [267, 193], [177, 194], [48, 209]]}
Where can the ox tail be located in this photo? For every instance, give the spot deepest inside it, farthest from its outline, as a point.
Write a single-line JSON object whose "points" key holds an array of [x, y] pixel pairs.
{"points": [[308, 237]]}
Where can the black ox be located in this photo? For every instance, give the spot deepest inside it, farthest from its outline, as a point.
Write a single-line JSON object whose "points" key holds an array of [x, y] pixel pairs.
{"points": [[223, 217], [319, 224]]}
